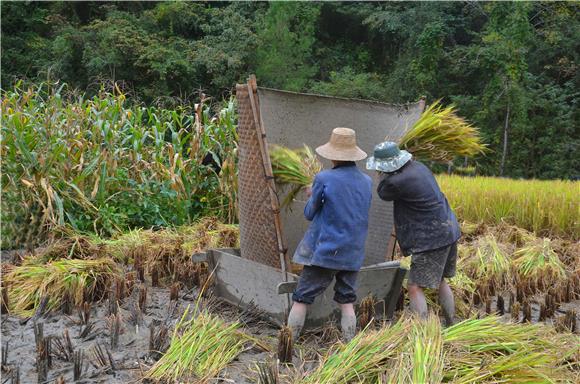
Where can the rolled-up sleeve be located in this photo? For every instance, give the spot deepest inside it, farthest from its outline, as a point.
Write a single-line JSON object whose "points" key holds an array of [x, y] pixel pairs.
{"points": [[386, 190], [316, 199]]}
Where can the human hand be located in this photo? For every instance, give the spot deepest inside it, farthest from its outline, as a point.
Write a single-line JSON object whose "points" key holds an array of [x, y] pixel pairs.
{"points": [[308, 190]]}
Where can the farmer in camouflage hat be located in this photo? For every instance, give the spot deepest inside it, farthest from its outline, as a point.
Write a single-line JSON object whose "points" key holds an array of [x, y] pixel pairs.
{"points": [[425, 225]]}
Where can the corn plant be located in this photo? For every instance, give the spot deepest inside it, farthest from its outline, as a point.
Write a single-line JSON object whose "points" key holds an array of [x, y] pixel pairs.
{"points": [[99, 164]]}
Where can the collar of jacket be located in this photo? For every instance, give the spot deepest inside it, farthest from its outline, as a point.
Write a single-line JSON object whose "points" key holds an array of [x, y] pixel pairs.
{"points": [[344, 164]]}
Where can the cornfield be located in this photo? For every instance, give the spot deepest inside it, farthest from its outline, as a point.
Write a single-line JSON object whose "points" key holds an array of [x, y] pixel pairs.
{"points": [[548, 208], [99, 164]]}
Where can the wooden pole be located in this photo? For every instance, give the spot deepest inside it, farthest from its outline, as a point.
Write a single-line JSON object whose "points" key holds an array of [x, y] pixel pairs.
{"points": [[275, 204]]}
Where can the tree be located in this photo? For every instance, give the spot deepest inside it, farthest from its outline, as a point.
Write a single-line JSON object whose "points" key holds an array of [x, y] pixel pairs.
{"points": [[284, 57]]}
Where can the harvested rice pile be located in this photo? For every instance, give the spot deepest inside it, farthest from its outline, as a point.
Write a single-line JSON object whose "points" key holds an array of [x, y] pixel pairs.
{"points": [[75, 280], [77, 268], [475, 350]]}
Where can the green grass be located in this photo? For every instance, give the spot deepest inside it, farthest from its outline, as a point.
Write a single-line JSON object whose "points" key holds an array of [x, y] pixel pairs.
{"points": [[548, 208]]}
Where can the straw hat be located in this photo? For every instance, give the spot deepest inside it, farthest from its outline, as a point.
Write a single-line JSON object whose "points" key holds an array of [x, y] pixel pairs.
{"points": [[387, 157], [342, 146]]}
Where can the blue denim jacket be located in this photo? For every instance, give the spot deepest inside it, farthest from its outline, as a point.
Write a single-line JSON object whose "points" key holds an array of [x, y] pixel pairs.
{"points": [[423, 219], [339, 211]]}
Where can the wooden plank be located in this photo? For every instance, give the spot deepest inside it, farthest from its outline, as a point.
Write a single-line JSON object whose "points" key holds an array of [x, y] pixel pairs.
{"points": [[242, 281]]}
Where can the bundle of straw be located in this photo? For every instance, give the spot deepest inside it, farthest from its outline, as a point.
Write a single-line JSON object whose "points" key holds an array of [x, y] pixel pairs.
{"points": [[363, 358], [487, 350], [490, 265], [201, 347], [538, 266], [421, 359], [295, 168], [81, 280], [440, 135]]}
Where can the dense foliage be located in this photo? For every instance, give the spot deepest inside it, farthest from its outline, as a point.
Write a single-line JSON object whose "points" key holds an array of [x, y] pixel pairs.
{"points": [[100, 165], [510, 67]]}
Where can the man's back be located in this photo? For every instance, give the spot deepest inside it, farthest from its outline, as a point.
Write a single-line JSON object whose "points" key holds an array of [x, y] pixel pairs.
{"points": [[342, 217], [424, 221]]}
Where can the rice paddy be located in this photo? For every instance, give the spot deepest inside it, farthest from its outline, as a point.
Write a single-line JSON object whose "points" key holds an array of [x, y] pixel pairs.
{"points": [[547, 208]]}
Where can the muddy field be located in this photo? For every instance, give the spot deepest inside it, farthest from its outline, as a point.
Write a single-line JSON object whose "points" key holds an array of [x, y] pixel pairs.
{"points": [[132, 357]]}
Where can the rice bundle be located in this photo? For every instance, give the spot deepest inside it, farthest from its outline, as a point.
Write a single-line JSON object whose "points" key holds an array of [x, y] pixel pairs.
{"points": [[79, 280], [167, 253], [421, 360], [440, 135], [487, 350], [363, 358], [490, 266], [294, 168], [475, 350], [201, 347], [538, 267]]}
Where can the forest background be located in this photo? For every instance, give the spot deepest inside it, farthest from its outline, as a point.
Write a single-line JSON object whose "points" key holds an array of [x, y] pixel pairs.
{"points": [[510, 67]]}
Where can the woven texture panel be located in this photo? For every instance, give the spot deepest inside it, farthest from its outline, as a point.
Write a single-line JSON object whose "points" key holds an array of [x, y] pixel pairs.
{"points": [[294, 119], [258, 239]]}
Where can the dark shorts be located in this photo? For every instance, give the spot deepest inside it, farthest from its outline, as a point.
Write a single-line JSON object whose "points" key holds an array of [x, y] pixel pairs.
{"points": [[314, 281], [429, 268]]}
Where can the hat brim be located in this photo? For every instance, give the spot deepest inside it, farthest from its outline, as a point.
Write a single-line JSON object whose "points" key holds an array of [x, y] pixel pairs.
{"points": [[388, 165], [331, 152]]}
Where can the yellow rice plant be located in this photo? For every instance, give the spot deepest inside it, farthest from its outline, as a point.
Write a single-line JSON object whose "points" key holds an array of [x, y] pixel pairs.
{"points": [[538, 266], [441, 135], [201, 347], [547, 208], [80, 280], [294, 168]]}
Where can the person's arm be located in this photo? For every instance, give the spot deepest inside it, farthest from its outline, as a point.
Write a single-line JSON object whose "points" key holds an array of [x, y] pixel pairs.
{"points": [[387, 190], [315, 201]]}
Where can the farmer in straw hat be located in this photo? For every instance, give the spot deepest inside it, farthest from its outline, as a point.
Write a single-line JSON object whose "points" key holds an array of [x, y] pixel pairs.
{"points": [[333, 246], [425, 225]]}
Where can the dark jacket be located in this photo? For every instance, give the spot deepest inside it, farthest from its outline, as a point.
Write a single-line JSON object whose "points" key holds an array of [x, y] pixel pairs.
{"points": [[339, 211], [423, 219]]}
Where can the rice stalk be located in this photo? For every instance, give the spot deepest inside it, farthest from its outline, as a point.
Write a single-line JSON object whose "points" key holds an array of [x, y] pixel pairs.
{"points": [[294, 168], [363, 358], [81, 280], [490, 266], [421, 359], [201, 347], [441, 135], [538, 266]]}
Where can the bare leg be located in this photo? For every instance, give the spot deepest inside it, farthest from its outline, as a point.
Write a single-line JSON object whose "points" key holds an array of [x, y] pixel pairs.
{"points": [[447, 303], [296, 318], [418, 302], [347, 321]]}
